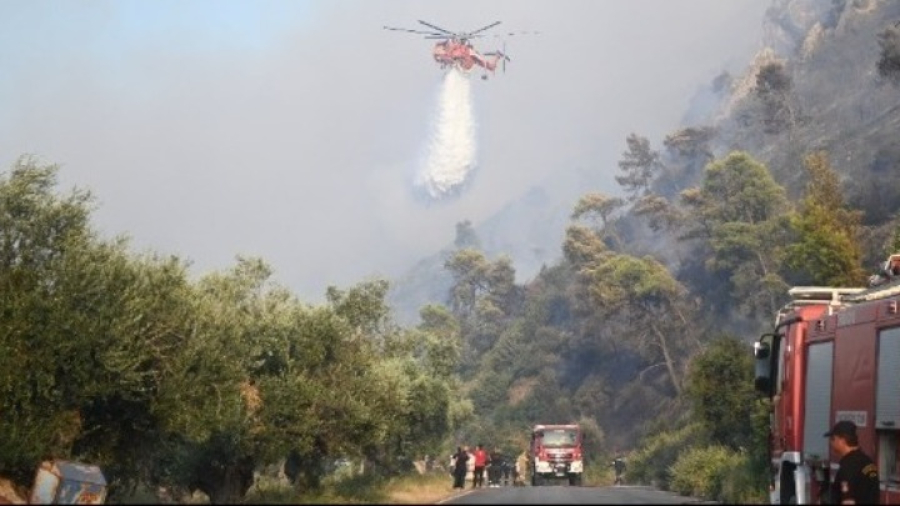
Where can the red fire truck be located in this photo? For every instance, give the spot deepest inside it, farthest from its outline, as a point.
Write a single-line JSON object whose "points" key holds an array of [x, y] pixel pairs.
{"points": [[556, 453], [834, 355]]}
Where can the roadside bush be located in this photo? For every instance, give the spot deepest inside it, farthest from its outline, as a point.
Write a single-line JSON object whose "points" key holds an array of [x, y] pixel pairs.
{"points": [[745, 484], [702, 471], [651, 463], [598, 473]]}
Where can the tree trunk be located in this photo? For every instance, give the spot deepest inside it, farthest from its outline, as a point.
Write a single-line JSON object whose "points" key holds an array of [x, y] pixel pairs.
{"points": [[670, 364], [228, 484]]}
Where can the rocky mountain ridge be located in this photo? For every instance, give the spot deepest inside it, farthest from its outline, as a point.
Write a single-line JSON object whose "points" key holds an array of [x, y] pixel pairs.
{"points": [[829, 53]]}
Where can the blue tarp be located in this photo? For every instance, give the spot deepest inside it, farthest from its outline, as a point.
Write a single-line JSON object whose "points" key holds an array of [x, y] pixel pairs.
{"points": [[63, 482], [80, 472]]}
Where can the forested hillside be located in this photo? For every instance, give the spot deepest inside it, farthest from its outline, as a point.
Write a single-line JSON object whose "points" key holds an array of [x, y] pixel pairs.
{"points": [[787, 174]]}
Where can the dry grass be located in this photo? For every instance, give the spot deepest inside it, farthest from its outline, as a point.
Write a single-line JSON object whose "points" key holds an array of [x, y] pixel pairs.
{"points": [[423, 489], [413, 489]]}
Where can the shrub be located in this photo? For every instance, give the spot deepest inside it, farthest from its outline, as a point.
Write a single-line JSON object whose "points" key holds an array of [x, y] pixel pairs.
{"points": [[745, 484], [701, 471], [651, 462]]}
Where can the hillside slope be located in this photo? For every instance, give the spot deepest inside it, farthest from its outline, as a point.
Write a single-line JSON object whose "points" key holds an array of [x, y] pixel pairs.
{"points": [[823, 57]]}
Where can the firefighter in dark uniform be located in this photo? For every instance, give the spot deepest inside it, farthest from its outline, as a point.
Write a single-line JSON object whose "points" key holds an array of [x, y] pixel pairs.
{"points": [[619, 466], [856, 482], [506, 470], [495, 469]]}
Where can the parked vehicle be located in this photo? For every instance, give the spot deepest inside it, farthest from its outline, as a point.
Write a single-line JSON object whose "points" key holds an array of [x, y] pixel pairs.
{"points": [[833, 355], [556, 453]]}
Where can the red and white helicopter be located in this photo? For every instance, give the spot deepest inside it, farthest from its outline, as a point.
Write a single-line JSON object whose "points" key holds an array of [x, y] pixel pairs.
{"points": [[456, 49]]}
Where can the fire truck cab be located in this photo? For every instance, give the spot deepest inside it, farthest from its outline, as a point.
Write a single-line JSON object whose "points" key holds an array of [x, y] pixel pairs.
{"points": [[556, 453], [834, 355]]}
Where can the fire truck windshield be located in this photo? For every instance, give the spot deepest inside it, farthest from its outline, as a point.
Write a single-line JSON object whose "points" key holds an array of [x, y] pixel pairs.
{"points": [[560, 437]]}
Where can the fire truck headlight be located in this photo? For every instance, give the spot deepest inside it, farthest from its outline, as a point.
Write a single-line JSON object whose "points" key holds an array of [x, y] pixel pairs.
{"points": [[577, 466], [542, 466]]}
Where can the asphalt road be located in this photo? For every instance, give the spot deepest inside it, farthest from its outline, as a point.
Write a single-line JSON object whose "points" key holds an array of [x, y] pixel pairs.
{"points": [[570, 495]]}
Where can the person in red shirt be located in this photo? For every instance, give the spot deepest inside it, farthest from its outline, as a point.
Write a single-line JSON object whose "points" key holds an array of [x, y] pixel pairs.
{"points": [[481, 460]]}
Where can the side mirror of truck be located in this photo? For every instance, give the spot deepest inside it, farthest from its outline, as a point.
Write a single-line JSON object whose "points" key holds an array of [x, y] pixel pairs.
{"points": [[761, 350], [762, 381]]}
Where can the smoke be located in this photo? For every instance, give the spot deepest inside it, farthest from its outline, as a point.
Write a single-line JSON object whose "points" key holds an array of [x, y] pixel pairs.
{"points": [[450, 154]]}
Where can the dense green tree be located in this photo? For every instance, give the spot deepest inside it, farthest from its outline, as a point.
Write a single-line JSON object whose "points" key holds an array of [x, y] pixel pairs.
{"points": [[138, 308], [363, 306], [440, 340], [720, 386], [643, 290], [469, 269], [737, 188], [827, 250], [119, 360], [83, 334], [483, 297], [739, 213], [229, 357]]}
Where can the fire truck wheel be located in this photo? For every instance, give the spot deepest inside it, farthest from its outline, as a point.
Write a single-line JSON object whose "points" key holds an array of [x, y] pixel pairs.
{"points": [[575, 480]]}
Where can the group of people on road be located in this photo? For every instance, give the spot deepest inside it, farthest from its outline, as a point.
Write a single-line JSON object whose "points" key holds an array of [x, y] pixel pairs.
{"points": [[856, 481], [500, 470]]}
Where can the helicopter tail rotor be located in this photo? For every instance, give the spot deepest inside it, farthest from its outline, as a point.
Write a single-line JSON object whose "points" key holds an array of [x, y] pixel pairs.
{"points": [[501, 56]]}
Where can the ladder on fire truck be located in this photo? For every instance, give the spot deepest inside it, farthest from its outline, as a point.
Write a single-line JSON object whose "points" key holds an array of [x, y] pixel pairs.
{"points": [[805, 295], [809, 295], [836, 297], [876, 292]]}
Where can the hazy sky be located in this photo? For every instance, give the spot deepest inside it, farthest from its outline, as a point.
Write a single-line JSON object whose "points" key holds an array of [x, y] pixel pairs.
{"points": [[291, 130]]}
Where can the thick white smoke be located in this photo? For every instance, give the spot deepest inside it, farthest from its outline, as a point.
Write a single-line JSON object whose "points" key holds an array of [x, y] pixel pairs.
{"points": [[450, 156]]}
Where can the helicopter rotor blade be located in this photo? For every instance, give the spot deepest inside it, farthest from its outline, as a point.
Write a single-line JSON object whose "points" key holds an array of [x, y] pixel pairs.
{"points": [[420, 32], [438, 28], [521, 32], [495, 23]]}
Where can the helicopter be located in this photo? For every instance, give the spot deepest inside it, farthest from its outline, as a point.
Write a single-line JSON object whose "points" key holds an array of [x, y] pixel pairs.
{"points": [[455, 49]]}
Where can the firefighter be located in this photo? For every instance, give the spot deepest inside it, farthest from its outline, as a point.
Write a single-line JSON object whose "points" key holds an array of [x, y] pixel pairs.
{"points": [[494, 469], [890, 271], [618, 465], [459, 465], [856, 481], [506, 470], [521, 469], [892, 266]]}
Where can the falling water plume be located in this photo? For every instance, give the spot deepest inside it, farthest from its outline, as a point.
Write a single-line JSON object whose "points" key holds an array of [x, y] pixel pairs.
{"points": [[450, 155]]}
